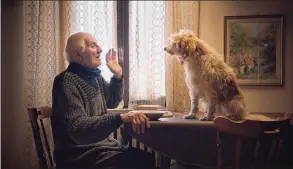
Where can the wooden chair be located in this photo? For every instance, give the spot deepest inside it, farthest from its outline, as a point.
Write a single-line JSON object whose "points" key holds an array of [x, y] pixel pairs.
{"points": [[45, 157], [37, 117], [261, 131]]}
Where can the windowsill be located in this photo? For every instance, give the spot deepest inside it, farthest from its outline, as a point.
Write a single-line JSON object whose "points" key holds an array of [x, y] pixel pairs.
{"points": [[142, 107]]}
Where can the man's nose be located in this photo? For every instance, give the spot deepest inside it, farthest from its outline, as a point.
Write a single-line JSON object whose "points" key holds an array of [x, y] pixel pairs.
{"points": [[99, 49]]}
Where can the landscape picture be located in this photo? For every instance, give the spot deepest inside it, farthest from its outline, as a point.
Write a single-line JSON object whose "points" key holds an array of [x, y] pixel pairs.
{"points": [[253, 49]]}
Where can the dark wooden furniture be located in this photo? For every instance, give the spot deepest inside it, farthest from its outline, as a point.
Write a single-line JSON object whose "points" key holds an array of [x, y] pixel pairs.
{"points": [[37, 117], [199, 143], [263, 132]]}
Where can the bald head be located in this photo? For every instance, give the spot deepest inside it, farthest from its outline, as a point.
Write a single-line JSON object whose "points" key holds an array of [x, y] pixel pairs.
{"points": [[82, 48], [75, 44]]}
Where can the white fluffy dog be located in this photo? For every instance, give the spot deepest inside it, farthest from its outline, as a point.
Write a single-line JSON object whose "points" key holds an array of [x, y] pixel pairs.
{"points": [[208, 78]]}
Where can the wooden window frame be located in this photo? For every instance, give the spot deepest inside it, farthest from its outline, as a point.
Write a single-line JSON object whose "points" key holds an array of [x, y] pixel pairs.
{"points": [[123, 43]]}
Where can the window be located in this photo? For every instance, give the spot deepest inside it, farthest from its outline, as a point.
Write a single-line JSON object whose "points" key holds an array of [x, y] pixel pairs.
{"points": [[140, 39], [146, 53], [99, 19]]}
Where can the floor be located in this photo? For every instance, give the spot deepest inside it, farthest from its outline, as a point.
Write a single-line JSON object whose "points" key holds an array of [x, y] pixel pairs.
{"points": [[178, 165]]}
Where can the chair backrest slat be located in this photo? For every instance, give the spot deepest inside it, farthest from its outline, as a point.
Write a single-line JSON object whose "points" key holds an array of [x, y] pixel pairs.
{"points": [[36, 116], [47, 143]]}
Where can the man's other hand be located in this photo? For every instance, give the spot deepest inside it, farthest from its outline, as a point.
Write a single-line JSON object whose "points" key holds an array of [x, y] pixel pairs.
{"points": [[139, 121], [112, 63]]}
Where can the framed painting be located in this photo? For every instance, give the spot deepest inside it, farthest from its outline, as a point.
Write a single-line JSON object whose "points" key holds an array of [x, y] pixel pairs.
{"points": [[253, 48]]}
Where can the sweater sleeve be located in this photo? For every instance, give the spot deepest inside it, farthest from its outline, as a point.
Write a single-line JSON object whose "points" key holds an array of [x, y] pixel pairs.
{"points": [[81, 128], [113, 92]]}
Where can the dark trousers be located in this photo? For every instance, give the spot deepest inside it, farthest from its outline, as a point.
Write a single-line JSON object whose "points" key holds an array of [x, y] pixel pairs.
{"points": [[131, 158]]}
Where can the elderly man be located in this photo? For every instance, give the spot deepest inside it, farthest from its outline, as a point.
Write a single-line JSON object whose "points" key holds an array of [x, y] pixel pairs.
{"points": [[81, 125]]}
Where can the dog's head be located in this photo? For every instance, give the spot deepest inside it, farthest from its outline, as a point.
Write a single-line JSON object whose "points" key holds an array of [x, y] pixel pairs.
{"points": [[183, 44]]}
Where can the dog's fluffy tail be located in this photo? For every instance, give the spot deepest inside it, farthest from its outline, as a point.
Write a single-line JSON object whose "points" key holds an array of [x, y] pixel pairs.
{"points": [[260, 117], [237, 111]]}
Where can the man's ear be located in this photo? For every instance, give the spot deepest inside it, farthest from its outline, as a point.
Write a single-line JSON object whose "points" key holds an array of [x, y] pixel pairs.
{"points": [[76, 56]]}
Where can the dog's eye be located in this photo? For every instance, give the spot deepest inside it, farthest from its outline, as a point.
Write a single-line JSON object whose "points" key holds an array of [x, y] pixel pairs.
{"points": [[176, 45]]}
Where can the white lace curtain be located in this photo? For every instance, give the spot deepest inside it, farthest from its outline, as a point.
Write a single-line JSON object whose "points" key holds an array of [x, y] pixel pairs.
{"points": [[179, 15], [42, 61], [156, 78], [146, 53]]}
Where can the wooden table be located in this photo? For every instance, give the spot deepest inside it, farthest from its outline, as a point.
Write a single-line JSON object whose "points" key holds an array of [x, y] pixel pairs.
{"points": [[180, 139], [191, 141]]}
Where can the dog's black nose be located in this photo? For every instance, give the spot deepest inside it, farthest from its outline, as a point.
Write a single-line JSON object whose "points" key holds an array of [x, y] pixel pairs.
{"points": [[165, 48]]}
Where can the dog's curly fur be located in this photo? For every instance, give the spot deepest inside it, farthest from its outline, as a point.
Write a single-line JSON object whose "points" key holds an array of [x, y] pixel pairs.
{"points": [[208, 77]]}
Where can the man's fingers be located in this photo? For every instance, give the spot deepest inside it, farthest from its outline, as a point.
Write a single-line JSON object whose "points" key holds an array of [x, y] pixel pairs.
{"points": [[108, 55], [138, 124], [147, 122], [113, 54], [134, 123], [142, 122]]}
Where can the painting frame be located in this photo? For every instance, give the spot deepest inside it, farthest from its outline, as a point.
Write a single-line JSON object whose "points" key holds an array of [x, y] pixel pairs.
{"points": [[263, 66]]}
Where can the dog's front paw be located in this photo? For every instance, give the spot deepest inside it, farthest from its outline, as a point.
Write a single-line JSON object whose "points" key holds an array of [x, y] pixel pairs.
{"points": [[206, 118], [189, 116]]}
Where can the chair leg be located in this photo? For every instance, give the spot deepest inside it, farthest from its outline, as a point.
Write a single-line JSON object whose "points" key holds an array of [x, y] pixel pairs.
{"points": [[238, 152], [272, 153], [280, 147], [219, 149], [256, 153]]}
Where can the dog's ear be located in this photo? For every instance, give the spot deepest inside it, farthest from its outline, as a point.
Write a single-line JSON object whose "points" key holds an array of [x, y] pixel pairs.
{"points": [[178, 45], [182, 45], [198, 50]]}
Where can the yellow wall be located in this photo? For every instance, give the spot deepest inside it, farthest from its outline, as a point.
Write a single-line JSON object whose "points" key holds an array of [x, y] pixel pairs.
{"points": [[259, 99]]}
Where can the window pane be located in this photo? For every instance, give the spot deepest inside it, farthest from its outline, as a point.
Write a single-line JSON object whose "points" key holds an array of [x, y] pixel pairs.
{"points": [[146, 55]]}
